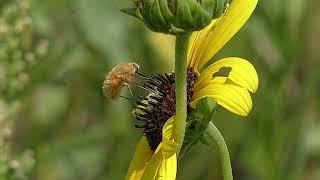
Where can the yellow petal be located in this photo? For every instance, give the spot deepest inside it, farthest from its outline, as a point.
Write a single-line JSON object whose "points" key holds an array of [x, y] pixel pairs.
{"points": [[153, 165], [163, 164], [206, 43], [168, 168], [160, 168], [234, 98], [139, 162], [170, 147], [196, 40], [242, 73], [218, 80]]}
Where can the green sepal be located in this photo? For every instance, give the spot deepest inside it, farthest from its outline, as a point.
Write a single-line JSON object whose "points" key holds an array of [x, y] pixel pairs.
{"points": [[197, 123], [130, 11], [177, 16], [175, 30], [207, 108]]}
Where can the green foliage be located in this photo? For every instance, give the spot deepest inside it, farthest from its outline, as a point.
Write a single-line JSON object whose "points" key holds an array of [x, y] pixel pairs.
{"points": [[3, 162], [19, 53]]}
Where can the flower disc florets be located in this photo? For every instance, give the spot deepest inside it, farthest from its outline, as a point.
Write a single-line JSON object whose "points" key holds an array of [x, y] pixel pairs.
{"points": [[159, 105], [177, 16]]}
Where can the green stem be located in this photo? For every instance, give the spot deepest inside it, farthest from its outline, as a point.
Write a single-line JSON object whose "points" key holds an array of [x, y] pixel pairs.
{"points": [[182, 42], [213, 135]]}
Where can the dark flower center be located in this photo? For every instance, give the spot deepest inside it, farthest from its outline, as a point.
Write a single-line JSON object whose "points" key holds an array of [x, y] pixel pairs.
{"points": [[159, 106]]}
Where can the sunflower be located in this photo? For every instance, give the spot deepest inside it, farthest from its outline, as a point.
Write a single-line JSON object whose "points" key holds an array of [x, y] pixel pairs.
{"points": [[156, 153]]}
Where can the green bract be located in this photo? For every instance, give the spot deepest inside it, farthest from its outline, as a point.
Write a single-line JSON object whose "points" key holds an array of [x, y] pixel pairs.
{"points": [[197, 124], [177, 16]]}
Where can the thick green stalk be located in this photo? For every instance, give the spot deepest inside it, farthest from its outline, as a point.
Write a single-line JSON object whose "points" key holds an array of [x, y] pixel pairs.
{"points": [[181, 50], [213, 135]]}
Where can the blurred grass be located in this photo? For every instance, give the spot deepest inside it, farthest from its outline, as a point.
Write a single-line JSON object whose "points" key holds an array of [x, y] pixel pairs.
{"points": [[62, 127]]}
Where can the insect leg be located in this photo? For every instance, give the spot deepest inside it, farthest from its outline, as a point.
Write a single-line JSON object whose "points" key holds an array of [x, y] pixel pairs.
{"points": [[143, 76], [130, 100], [148, 89], [130, 91]]}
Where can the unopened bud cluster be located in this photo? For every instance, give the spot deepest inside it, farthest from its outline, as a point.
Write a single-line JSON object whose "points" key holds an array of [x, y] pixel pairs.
{"points": [[177, 16], [19, 52]]}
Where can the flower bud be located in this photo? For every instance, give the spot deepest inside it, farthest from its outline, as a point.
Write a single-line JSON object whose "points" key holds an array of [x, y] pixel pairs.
{"points": [[177, 16]]}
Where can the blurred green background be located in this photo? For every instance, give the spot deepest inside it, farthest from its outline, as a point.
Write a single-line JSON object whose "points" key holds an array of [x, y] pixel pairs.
{"points": [[55, 123]]}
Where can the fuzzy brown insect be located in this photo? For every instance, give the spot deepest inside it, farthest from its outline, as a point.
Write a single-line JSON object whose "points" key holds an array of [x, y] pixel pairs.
{"points": [[121, 75]]}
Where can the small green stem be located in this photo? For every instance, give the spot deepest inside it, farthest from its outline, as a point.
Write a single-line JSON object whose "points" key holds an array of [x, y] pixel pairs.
{"points": [[213, 134], [181, 50]]}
